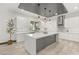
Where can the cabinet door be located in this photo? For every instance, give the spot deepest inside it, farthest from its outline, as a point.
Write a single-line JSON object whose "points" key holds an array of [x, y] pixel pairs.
{"points": [[44, 42]]}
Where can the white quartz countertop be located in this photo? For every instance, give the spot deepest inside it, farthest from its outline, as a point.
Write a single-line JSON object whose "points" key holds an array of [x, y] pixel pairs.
{"points": [[37, 35], [40, 34]]}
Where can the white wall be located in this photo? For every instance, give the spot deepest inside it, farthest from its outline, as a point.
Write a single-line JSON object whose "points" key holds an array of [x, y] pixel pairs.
{"points": [[23, 23], [72, 24], [6, 13]]}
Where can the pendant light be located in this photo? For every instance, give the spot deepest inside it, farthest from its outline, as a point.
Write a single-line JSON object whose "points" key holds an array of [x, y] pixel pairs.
{"points": [[49, 14], [45, 19]]}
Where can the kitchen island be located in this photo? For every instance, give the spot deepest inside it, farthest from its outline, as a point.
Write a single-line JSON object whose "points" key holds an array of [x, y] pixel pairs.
{"points": [[37, 41]]}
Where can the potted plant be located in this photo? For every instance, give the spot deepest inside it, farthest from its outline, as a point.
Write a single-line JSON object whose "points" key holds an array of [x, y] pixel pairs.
{"points": [[10, 30]]}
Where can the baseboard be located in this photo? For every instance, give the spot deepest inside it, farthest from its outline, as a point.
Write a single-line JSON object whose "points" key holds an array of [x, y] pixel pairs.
{"points": [[6, 42]]}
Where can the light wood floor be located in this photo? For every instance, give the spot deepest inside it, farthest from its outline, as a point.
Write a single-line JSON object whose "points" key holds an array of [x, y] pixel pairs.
{"points": [[14, 49], [63, 47]]}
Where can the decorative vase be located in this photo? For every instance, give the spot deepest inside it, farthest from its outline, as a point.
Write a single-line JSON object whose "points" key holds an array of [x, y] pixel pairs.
{"points": [[10, 41]]}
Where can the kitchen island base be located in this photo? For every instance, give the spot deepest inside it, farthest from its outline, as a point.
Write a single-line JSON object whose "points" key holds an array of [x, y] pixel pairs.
{"points": [[34, 45]]}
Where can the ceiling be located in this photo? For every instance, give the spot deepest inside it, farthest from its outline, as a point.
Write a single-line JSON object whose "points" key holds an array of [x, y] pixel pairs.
{"points": [[56, 8], [44, 9], [71, 7]]}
